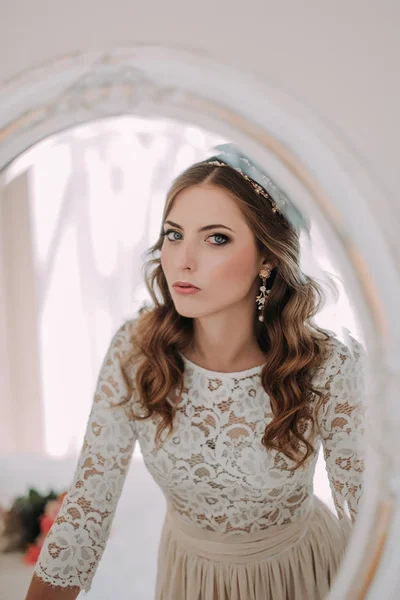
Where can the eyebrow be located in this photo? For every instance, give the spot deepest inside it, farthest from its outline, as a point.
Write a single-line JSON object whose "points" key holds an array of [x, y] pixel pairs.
{"points": [[205, 228]]}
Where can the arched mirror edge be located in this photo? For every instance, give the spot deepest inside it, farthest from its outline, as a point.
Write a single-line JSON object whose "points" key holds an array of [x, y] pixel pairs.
{"points": [[155, 81]]}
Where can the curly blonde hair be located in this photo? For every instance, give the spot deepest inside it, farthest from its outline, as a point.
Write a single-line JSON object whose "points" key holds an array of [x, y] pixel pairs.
{"points": [[294, 346]]}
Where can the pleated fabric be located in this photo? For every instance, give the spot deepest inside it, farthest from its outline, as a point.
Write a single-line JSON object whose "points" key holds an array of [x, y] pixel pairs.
{"points": [[297, 561]]}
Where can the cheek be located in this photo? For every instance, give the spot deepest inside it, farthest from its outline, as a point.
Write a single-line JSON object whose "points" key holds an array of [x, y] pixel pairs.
{"points": [[237, 269], [164, 258]]}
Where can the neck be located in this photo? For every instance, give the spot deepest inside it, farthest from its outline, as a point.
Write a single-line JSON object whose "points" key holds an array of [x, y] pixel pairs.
{"points": [[224, 343]]}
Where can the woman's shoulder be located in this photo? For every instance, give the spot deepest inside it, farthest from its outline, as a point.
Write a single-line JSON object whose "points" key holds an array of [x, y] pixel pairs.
{"points": [[346, 344], [341, 353], [125, 333], [342, 378], [122, 344]]}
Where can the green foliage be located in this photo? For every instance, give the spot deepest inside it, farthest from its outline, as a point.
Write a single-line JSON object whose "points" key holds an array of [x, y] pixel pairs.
{"points": [[22, 523]]}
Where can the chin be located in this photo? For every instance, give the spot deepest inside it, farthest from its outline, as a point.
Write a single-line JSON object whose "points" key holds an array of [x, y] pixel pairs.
{"points": [[192, 313], [186, 311], [189, 314]]}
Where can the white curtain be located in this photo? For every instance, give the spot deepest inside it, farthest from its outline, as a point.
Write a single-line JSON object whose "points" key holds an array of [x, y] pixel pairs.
{"points": [[85, 205]]}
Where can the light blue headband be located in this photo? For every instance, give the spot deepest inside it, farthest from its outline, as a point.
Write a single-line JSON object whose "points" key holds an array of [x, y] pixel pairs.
{"points": [[230, 154]]}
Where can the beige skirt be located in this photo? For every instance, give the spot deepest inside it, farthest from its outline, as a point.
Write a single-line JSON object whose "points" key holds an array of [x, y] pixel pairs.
{"points": [[297, 561]]}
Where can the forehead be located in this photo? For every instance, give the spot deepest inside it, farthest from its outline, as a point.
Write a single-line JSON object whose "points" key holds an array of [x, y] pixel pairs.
{"points": [[205, 201]]}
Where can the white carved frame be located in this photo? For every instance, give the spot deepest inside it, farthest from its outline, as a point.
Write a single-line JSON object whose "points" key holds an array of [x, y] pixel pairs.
{"points": [[313, 165]]}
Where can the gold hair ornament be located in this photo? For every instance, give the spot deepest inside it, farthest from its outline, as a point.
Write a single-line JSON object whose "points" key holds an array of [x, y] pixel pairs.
{"points": [[230, 156], [257, 187]]}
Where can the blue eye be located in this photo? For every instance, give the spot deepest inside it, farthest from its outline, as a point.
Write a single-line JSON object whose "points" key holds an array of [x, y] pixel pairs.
{"points": [[225, 238], [165, 234], [221, 235]]}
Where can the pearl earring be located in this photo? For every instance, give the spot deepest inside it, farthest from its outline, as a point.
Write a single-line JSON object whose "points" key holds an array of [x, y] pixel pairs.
{"points": [[264, 274]]}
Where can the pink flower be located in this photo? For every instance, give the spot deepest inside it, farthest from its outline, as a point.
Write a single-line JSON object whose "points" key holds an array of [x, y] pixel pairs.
{"points": [[45, 523], [52, 508], [31, 554], [40, 539]]}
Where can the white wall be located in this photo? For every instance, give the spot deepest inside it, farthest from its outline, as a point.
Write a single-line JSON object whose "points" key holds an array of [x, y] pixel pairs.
{"points": [[341, 58], [22, 422]]}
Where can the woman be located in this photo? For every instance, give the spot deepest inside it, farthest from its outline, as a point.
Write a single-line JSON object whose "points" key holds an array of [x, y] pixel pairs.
{"points": [[230, 389]]}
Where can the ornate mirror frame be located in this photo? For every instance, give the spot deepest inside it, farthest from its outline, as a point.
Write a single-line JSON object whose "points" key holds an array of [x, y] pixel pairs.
{"points": [[314, 166]]}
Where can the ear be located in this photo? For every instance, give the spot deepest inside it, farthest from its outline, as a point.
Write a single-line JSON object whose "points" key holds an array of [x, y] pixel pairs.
{"points": [[270, 264]]}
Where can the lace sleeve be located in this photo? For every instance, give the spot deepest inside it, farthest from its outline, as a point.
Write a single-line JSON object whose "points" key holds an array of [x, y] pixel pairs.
{"points": [[342, 419], [75, 543]]}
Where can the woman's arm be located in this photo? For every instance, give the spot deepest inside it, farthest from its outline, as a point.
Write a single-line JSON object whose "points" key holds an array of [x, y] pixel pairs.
{"points": [[342, 420], [76, 541], [38, 590]]}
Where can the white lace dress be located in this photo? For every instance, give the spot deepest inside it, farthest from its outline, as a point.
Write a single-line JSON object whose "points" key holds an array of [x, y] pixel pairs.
{"points": [[239, 524]]}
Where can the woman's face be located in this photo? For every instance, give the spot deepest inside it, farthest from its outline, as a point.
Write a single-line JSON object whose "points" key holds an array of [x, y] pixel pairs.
{"points": [[222, 261]]}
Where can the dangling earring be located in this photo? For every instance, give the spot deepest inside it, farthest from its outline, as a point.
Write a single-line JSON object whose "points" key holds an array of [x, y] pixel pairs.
{"points": [[264, 274]]}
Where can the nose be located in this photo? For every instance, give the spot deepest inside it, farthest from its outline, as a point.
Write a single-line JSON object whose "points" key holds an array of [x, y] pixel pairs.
{"points": [[186, 256]]}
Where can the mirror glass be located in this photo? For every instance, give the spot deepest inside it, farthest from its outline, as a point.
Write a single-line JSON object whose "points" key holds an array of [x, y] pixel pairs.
{"points": [[79, 211]]}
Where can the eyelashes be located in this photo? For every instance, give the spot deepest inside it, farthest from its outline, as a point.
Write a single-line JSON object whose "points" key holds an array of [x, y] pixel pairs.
{"points": [[221, 235]]}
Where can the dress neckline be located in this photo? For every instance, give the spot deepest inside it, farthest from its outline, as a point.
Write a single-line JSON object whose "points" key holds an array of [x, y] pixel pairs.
{"points": [[222, 374]]}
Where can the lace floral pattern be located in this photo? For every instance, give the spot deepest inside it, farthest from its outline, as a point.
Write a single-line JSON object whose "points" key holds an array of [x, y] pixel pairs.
{"points": [[213, 469], [343, 420], [76, 541]]}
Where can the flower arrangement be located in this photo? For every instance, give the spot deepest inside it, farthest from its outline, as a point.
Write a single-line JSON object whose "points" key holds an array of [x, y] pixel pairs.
{"points": [[26, 524]]}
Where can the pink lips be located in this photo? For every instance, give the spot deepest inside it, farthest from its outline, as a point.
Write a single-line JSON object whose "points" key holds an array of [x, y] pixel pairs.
{"points": [[185, 289]]}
